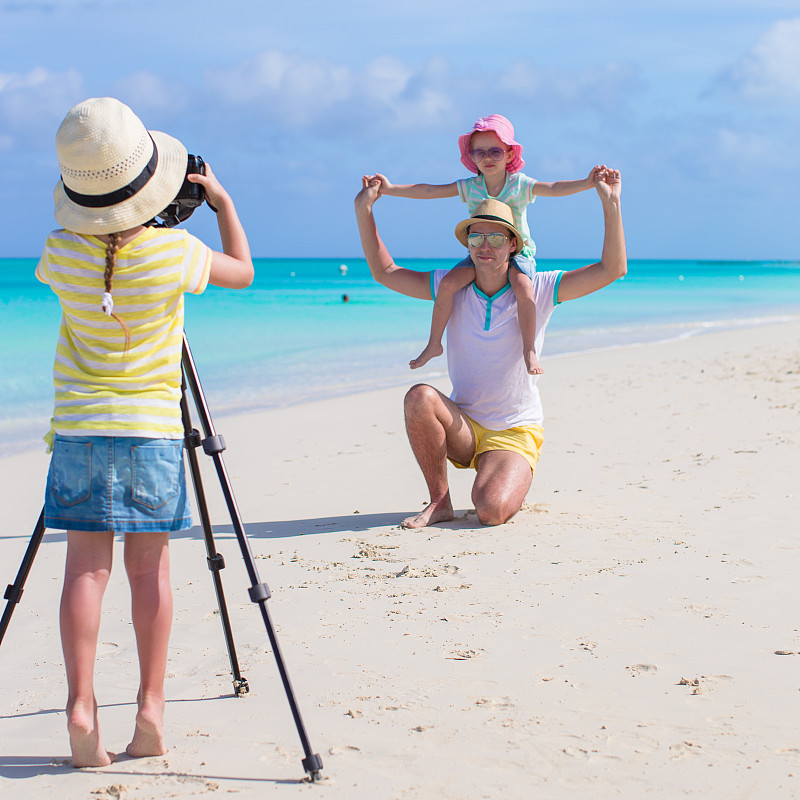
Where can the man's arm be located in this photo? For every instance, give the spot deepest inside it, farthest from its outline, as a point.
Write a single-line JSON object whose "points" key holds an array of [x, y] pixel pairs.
{"points": [[383, 269], [613, 263]]}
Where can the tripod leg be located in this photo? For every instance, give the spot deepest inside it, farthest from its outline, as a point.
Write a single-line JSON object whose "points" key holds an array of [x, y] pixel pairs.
{"points": [[214, 559], [213, 445], [14, 590]]}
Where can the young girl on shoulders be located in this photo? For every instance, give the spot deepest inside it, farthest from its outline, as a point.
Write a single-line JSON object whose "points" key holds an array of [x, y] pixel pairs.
{"points": [[117, 435], [490, 151]]}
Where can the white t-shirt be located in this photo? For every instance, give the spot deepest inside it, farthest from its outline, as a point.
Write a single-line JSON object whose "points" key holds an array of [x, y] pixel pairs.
{"points": [[484, 352]]}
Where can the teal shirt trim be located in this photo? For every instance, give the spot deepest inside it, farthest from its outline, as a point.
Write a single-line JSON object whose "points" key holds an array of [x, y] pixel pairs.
{"points": [[489, 300], [555, 289]]}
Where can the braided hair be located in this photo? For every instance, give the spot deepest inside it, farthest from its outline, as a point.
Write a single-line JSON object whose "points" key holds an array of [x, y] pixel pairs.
{"points": [[108, 277]]}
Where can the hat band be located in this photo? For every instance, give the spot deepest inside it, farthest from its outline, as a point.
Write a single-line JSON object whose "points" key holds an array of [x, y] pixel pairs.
{"points": [[118, 196], [491, 217]]}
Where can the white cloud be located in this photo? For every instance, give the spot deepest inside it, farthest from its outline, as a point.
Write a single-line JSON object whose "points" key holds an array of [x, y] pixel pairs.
{"points": [[596, 88], [38, 99], [284, 85], [771, 70], [388, 93], [749, 151], [312, 92]]}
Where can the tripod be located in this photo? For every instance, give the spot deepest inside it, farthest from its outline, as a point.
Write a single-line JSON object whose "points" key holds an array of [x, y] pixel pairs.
{"points": [[213, 445]]}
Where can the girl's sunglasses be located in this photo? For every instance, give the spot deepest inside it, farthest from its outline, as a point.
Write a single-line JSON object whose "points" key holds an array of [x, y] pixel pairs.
{"points": [[495, 153]]}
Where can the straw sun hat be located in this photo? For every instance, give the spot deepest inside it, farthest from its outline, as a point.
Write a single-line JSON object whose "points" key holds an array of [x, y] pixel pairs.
{"points": [[490, 210], [115, 174]]}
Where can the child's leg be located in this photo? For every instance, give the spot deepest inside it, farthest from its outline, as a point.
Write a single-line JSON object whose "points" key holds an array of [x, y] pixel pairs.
{"points": [[86, 573], [526, 310], [456, 279], [147, 565]]}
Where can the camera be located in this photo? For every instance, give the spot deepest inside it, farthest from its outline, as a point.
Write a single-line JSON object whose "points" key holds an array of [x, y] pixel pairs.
{"points": [[189, 197]]}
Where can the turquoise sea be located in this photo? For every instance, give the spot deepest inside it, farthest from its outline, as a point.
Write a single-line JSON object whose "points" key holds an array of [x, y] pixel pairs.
{"points": [[290, 338]]}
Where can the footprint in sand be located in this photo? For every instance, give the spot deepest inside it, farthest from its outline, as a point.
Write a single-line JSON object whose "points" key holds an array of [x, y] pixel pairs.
{"points": [[636, 670], [426, 571], [107, 650], [463, 654], [495, 702], [115, 790], [703, 682], [683, 750]]}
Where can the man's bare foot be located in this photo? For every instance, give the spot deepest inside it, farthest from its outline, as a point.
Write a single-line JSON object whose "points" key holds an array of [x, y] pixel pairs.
{"points": [[532, 363], [435, 512], [148, 736], [84, 738], [431, 351]]}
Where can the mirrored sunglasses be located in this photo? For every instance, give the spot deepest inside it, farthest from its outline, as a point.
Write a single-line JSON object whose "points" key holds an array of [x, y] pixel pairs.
{"points": [[494, 239]]}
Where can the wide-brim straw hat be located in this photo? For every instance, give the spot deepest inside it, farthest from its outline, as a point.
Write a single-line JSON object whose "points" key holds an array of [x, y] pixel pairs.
{"points": [[505, 132], [115, 174], [490, 210]]}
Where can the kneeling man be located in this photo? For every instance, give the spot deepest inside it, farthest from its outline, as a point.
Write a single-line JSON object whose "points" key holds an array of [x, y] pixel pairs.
{"points": [[492, 421]]}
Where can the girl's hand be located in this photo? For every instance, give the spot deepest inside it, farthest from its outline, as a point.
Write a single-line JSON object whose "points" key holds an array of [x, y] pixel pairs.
{"points": [[594, 175], [215, 194]]}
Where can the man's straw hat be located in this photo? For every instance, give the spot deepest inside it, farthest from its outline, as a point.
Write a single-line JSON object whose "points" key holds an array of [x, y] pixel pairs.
{"points": [[490, 210]]}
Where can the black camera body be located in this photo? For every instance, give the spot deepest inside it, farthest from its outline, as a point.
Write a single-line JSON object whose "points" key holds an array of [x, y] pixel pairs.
{"points": [[189, 197]]}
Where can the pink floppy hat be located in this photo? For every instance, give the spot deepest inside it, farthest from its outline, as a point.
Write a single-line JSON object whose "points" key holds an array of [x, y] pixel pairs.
{"points": [[505, 132]]}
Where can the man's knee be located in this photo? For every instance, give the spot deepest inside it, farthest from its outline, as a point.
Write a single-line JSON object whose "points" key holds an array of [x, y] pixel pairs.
{"points": [[419, 400], [500, 487], [494, 511]]}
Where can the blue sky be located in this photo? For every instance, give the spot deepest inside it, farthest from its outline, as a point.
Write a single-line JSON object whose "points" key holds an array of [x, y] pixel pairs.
{"points": [[697, 102]]}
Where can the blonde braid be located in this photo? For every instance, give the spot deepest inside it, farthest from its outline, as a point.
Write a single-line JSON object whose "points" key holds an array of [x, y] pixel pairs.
{"points": [[108, 277]]}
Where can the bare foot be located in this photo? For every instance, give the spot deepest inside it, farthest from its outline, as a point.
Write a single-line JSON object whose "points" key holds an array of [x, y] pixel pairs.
{"points": [[431, 351], [148, 736], [435, 512], [532, 363], [84, 738]]}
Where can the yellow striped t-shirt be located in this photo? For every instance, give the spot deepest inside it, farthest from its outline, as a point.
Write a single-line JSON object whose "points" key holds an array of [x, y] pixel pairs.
{"points": [[99, 389]]}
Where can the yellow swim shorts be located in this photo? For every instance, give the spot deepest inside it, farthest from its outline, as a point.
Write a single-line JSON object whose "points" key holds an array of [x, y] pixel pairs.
{"points": [[526, 440]]}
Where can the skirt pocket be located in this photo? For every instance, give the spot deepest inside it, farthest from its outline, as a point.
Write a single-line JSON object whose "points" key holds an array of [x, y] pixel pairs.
{"points": [[156, 471], [71, 472]]}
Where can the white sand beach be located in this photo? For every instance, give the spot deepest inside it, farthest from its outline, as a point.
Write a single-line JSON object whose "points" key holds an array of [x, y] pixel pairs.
{"points": [[633, 632]]}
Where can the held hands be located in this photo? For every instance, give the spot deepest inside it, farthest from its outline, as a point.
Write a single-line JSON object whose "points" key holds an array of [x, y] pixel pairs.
{"points": [[385, 185], [608, 183], [370, 192]]}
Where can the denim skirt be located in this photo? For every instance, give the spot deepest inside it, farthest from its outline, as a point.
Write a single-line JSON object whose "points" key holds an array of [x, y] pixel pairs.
{"points": [[116, 483]]}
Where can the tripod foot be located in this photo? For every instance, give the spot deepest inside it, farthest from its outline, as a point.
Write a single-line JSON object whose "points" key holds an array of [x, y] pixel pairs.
{"points": [[241, 686], [312, 765]]}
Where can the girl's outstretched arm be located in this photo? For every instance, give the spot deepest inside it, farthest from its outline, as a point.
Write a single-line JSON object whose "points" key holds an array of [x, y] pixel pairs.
{"points": [[415, 191], [564, 188], [233, 267]]}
